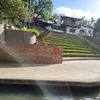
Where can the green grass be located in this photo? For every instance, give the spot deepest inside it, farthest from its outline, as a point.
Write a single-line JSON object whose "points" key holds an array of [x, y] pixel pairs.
{"points": [[71, 44]]}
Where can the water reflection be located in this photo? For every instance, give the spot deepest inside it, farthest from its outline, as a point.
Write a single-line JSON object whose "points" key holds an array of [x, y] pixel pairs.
{"points": [[15, 92]]}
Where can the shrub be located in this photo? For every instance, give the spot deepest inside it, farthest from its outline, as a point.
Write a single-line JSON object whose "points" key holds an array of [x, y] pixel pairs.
{"points": [[33, 30]]}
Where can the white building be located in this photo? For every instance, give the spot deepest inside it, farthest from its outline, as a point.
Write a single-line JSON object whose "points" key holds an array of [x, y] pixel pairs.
{"points": [[73, 26], [84, 31]]}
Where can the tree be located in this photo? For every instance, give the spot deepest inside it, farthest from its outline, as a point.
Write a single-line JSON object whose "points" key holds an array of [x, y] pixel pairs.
{"points": [[96, 34], [97, 28], [54, 18], [41, 9], [13, 10], [88, 23]]}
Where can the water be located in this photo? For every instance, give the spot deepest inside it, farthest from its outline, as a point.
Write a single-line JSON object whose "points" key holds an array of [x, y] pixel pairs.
{"points": [[16, 92]]}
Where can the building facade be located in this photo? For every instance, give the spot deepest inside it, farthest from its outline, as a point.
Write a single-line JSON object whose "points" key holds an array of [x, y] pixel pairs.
{"points": [[74, 26]]}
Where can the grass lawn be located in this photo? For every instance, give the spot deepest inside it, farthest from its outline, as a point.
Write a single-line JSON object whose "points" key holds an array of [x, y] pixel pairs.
{"points": [[71, 44]]}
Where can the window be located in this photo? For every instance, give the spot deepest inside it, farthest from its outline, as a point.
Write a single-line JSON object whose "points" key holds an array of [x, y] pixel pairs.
{"points": [[62, 22], [82, 31], [72, 30], [73, 21], [90, 31]]}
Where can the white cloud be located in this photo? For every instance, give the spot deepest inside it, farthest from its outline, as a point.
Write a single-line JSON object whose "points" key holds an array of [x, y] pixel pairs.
{"points": [[78, 13]]}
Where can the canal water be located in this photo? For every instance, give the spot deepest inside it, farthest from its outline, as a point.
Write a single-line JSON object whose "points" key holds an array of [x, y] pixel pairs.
{"points": [[20, 92]]}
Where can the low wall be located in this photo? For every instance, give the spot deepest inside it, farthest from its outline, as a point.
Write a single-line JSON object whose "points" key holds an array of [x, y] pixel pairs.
{"points": [[40, 53], [18, 37], [7, 54], [19, 42]]}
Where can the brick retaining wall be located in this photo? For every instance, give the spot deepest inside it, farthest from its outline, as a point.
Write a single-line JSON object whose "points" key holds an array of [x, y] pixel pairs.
{"points": [[40, 53]]}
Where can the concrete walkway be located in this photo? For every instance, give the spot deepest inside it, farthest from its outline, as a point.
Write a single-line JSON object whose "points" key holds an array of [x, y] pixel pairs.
{"points": [[83, 71], [80, 58]]}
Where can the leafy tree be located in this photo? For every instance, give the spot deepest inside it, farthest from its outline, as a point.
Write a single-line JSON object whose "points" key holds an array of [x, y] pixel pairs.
{"points": [[54, 18], [96, 37], [88, 23], [41, 9], [97, 28], [13, 10]]}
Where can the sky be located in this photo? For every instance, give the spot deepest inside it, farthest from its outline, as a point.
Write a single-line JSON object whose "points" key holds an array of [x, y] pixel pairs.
{"points": [[77, 8]]}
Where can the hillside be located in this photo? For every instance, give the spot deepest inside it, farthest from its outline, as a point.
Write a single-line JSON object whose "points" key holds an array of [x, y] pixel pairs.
{"points": [[72, 45]]}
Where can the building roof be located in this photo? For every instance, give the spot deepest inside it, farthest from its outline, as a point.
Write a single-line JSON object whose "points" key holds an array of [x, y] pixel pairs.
{"points": [[41, 23], [37, 23], [72, 18]]}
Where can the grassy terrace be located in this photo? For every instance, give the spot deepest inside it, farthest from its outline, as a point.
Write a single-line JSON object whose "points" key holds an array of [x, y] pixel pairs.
{"points": [[72, 45]]}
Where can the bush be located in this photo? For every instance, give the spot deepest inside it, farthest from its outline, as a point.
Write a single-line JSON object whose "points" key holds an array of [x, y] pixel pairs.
{"points": [[33, 30]]}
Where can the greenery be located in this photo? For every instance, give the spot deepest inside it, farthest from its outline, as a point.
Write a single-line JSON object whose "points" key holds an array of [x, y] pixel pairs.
{"points": [[88, 23], [54, 18], [96, 35], [33, 30], [41, 9], [72, 45], [12, 11], [97, 28]]}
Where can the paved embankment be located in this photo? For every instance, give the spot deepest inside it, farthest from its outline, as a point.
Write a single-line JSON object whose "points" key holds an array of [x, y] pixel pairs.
{"points": [[73, 73]]}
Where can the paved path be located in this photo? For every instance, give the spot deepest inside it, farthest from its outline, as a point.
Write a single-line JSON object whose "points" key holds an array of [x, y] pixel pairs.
{"points": [[86, 71], [80, 58]]}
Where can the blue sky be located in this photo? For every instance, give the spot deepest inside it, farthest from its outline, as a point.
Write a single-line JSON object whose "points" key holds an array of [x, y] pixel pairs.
{"points": [[91, 6]]}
